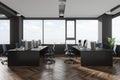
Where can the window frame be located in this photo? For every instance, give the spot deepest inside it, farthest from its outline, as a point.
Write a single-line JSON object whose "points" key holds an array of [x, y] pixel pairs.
{"points": [[70, 38]]}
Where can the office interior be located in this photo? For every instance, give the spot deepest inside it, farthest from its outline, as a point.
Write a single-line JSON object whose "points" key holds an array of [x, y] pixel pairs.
{"points": [[59, 39]]}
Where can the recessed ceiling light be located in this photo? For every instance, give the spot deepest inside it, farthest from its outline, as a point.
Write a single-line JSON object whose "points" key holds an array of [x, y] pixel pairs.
{"points": [[2, 16], [18, 14]]}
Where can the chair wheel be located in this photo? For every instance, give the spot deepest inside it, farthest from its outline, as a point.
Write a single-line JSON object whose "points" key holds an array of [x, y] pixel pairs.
{"points": [[2, 62], [53, 61], [50, 61]]}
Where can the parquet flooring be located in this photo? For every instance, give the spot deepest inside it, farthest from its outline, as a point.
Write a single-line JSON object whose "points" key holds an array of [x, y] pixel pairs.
{"points": [[61, 71]]}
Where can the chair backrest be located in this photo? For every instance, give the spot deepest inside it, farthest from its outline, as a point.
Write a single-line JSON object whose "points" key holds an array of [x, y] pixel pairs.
{"points": [[53, 48], [85, 43], [17, 45], [99, 45], [115, 49], [79, 43], [5, 51], [66, 47]]}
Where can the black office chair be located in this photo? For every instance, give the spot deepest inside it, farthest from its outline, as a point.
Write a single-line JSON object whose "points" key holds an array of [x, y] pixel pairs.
{"points": [[79, 43], [85, 44], [116, 50], [5, 53], [70, 54], [99, 45], [50, 55], [17, 45]]}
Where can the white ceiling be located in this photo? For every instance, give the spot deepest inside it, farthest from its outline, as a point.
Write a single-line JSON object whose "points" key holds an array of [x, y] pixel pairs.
{"points": [[89, 8], [50, 8]]}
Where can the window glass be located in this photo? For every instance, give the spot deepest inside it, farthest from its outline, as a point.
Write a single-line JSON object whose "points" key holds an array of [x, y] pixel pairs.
{"points": [[54, 31], [4, 31], [32, 30], [116, 29], [87, 29]]}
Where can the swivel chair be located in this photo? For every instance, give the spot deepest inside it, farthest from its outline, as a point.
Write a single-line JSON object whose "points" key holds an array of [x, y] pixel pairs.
{"points": [[5, 53], [50, 55], [116, 50], [85, 44], [70, 54], [17, 45], [99, 45], [79, 43]]}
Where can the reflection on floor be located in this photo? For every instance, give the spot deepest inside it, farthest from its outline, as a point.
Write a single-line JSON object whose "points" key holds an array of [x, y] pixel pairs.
{"points": [[61, 71]]}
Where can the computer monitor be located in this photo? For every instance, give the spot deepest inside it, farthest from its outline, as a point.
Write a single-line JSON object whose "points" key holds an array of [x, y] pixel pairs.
{"points": [[32, 44], [26, 45], [35, 44], [29, 45], [39, 42]]}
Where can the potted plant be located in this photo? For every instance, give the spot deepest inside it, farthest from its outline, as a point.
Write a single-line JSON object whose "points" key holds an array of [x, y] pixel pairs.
{"points": [[111, 42]]}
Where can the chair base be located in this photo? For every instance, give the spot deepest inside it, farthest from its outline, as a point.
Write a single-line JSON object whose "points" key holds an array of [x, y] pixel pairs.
{"points": [[3, 62], [70, 61], [50, 61]]}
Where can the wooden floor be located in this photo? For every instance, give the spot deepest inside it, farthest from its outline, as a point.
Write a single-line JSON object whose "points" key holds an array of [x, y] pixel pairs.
{"points": [[61, 71]]}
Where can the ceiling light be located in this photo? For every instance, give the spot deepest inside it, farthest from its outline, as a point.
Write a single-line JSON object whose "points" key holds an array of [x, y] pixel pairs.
{"points": [[18, 14], [108, 12], [2, 16]]}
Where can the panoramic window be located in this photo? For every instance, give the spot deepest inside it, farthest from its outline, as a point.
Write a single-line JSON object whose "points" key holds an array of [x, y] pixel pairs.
{"points": [[32, 30], [54, 31], [116, 29], [87, 29], [4, 31]]}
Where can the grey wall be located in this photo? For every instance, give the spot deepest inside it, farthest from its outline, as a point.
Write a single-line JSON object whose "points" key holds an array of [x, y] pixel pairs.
{"points": [[105, 26], [16, 30]]}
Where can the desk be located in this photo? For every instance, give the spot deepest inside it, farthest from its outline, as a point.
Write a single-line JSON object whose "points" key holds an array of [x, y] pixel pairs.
{"points": [[97, 57], [20, 57], [76, 50]]}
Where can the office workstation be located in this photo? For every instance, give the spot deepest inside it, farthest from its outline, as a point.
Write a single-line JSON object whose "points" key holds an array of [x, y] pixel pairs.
{"points": [[20, 57], [95, 57], [59, 40]]}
